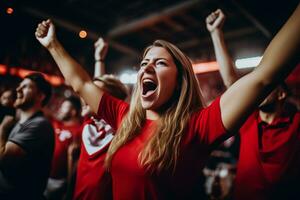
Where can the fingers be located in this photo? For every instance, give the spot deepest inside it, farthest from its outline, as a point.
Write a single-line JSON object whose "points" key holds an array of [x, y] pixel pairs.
{"points": [[211, 18], [219, 13], [101, 48], [42, 29], [49, 21], [214, 16], [219, 21], [100, 43]]}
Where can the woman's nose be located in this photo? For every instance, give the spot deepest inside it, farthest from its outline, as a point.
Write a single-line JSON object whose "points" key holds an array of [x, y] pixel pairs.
{"points": [[149, 67]]}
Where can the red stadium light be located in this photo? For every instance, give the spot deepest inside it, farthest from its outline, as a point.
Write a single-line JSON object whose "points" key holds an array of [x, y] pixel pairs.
{"points": [[9, 11], [82, 34], [55, 80], [205, 67], [21, 72], [3, 69], [13, 71]]}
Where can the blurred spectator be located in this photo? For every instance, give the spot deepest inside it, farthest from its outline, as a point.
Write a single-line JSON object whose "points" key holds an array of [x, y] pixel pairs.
{"points": [[269, 160], [7, 100], [92, 180], [68, 127], [26, 147]]}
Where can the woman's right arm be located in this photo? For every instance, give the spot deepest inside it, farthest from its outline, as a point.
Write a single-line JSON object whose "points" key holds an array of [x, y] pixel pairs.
{"points": [[72, 71]]}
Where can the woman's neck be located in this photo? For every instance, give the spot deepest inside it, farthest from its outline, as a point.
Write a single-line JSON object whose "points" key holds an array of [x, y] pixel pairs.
{"points": [[151, 115]]}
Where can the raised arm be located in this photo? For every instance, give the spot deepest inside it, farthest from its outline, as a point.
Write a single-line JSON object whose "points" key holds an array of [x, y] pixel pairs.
{"points": [[280, 57], [72, 71], [214, 24], [101, 48]]}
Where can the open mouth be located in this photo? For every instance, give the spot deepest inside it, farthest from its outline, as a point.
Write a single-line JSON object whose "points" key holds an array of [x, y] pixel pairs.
{"points": [[149, 87]]}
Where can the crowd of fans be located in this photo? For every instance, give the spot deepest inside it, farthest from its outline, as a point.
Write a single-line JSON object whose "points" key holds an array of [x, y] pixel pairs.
{"points": [[166, 143]]}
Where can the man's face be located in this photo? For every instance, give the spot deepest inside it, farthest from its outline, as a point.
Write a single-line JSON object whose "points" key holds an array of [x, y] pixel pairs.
{"points": [[27, 95], [7, 98]]}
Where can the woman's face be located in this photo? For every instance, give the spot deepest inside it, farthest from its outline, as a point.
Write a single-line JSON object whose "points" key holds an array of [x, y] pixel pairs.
{"points": [[157, 78]]}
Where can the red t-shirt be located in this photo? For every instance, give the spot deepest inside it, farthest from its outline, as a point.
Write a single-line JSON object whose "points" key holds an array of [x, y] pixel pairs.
{"points": [[64, 136], [131, 181], [91, 180], [269, 158]]}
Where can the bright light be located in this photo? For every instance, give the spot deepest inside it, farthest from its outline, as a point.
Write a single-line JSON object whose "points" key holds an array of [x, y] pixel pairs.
{"points": [[55, 80], [9, 11], [82, 34], [128, 77], [3, 69], [21, 72], [247, 62], [223, 173], [24, 72], [205, 67]]}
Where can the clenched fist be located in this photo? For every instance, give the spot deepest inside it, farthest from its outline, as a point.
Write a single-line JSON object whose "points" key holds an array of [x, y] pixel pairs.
{"points": [[215, 20], [45, 33]]}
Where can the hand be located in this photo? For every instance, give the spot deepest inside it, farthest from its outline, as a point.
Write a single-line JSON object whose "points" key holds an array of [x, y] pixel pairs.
{"points": [[215, 20], [45, 33], [101, 48], [7, 123]]}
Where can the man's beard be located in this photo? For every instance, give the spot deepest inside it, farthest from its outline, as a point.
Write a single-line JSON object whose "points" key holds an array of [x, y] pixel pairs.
{"points": [[25, 105]]}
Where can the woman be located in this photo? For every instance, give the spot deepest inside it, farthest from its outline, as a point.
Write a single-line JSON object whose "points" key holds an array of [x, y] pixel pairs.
{"points": [[165, 136]]}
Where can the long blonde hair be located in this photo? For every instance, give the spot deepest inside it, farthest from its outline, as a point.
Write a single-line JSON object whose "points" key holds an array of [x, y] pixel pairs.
{"points": [[162, 150]]}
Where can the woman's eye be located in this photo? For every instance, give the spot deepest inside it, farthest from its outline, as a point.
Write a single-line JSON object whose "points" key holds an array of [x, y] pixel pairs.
{"points": [[143, 64], [161, 63]]}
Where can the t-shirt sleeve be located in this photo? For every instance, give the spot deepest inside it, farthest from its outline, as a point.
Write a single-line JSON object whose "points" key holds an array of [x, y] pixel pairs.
{"points": [[209, 126], [34, 136], [112, 110]]}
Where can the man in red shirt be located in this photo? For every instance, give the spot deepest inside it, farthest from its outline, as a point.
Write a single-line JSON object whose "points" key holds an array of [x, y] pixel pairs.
{"points": [[269, 161], [67, 129]]}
